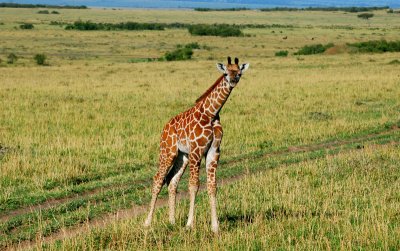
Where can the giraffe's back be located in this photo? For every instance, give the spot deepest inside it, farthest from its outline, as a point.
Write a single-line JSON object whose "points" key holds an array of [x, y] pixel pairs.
{"points": [[192, 126]]}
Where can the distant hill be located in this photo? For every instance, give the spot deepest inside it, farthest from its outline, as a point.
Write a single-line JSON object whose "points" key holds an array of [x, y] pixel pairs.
{"points": [[213, 3]]}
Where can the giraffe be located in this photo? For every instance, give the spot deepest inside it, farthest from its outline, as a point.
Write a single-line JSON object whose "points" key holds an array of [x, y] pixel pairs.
{"points": [[188, 137]]}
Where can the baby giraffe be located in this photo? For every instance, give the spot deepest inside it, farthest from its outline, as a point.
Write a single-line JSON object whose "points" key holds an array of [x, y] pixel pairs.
{"points": [[188, 137]]}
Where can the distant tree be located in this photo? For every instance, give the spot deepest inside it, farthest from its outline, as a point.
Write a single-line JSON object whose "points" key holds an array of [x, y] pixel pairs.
{"points": [[43, 12], [365, 16], [26, 26], [40, 59], [281, 53]]}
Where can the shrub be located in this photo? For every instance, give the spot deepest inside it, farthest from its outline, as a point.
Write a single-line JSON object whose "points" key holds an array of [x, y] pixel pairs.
{"points": [[365, 15], [313, 49], [184, 52], [179, 54], [40, 59], [11, 58], [395, 61], [222, 30], [378, 46], [194, 45], [43, 12], [26, 26], [281, 53], [88, 25], [55, 12]]}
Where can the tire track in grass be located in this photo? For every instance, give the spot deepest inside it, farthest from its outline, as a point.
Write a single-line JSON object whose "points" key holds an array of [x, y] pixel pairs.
{"points": [[292, 149], [137, 210]]}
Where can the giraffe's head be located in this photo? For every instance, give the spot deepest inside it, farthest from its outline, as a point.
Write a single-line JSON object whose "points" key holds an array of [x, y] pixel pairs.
{"points": [[232, 72]]}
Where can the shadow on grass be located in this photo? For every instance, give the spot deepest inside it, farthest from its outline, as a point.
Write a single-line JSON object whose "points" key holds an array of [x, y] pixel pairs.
{"points": [[273, 213]]}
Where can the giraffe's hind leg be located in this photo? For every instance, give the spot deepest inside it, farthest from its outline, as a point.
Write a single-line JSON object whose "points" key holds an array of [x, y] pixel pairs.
{"points": [[169, 151], [172, 180]]}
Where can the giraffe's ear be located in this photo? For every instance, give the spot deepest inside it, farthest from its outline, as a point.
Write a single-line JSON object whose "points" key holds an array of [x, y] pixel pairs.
{"points": [[221, 67], [244, 67]]}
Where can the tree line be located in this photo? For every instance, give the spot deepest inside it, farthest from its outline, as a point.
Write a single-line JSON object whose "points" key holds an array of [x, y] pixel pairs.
{"points": [[18, 5]]}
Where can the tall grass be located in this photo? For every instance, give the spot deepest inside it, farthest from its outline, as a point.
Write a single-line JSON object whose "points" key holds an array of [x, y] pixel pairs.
{"points": [[346, 202], [91, 120]]}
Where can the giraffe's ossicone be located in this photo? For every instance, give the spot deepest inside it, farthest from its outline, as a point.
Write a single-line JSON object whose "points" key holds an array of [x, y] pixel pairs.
{"points": [[188, 137]]}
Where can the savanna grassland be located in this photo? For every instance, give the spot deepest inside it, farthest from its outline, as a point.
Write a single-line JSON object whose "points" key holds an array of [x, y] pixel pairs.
{"points": [[314, 138]]}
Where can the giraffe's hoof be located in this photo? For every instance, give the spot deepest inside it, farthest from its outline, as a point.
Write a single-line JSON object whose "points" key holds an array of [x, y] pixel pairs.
{"points": [[214, 229], [146, 224]]}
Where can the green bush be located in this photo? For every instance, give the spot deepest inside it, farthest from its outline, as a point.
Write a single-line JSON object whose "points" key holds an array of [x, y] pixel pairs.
{"points": [[222, 30], [365, 15], [55, 12], [179, 54], [88, 25], [182, 52], [43, 12], [313, 49], [40, 59], [11, 58], [281, 53], [26, 26], [376, 46]]}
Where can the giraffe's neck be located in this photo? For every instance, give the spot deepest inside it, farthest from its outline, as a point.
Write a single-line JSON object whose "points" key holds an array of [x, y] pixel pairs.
{"points": [[214, 101]]}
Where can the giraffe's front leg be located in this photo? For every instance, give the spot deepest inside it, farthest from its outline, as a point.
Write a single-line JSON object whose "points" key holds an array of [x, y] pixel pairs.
{"points": [[212, 159], [194, 164]]}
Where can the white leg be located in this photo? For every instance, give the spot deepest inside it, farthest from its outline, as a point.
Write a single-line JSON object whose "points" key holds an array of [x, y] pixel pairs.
{"points": [[192, 191], [212, 159], [181, 163], [211, 166], [194, 160]]}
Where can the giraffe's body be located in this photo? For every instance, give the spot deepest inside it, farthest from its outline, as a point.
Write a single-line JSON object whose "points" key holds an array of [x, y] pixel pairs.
{"points": [[188, 137]]}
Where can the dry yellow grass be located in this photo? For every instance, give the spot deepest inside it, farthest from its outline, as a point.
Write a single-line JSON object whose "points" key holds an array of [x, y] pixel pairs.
{"points": [[91, 118]]}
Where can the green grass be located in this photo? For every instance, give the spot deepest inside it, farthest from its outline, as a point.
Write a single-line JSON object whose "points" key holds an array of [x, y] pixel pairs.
{"points": [[81, 210], [349, 201]]}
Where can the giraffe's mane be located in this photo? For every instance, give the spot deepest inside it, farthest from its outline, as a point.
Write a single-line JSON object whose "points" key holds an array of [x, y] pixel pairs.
{"points": [[209, 90]]}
